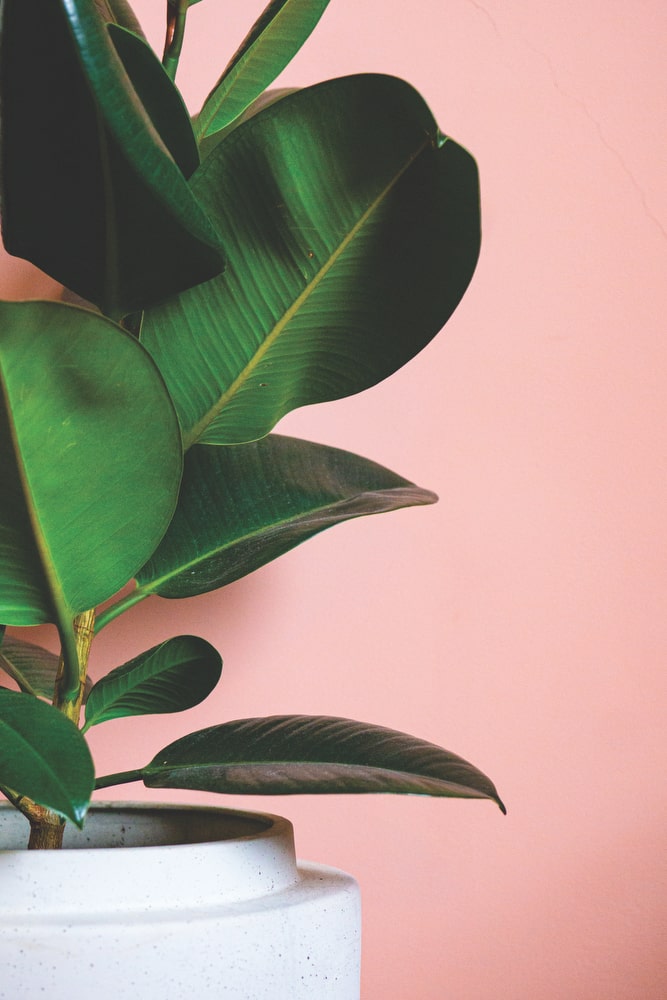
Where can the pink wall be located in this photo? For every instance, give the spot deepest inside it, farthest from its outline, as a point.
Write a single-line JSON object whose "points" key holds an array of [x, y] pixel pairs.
{"points": [[521, 621]]}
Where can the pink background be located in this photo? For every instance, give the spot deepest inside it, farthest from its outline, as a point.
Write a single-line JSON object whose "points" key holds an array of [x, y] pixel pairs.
{"points": [[521, 621]]}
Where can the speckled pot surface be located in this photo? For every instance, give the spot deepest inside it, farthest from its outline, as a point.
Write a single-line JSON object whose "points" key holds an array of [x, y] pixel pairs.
{"points": [[169, 902]]}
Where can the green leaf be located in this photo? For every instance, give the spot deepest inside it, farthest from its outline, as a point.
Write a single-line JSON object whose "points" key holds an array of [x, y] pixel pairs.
{"points": [[44, 756], [273, 40], [171, 677], [91, 461], [30, 666], [122, 14], [162, 102], [243, 506], [298, 754], [352, 232], [264, 101], [95, 142]]}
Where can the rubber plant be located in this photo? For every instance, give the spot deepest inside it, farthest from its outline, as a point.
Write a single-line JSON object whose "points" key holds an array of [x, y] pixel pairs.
{"points": [[278, 249]]}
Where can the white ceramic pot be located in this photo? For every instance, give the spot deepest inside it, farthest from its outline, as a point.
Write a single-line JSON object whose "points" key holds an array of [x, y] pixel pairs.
{"points": [[169, 902]]}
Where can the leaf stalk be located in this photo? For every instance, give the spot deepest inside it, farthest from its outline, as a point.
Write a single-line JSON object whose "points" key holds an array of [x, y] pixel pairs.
{"points": [[120, 778], [173, 43]]}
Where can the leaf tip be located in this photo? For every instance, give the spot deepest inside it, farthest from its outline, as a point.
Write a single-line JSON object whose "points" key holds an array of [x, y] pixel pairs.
{"points": [[79, 813]]}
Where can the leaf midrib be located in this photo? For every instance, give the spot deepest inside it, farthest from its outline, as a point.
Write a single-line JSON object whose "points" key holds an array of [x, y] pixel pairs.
{"points": [[150, 670], [63, 613], [148, 589], [43, 550], [236, 72], [192, 436], [28, 750], [386, 773]]}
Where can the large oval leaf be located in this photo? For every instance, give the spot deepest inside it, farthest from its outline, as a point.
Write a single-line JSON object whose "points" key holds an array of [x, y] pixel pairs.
{"points": [[243, 506], [44, 756], [92, 156], [276, 36], [352, 231], [298, 754], [171, 677], [91, 460]]}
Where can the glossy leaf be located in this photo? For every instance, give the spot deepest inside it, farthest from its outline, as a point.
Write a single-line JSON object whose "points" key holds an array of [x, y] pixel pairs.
{"points": [[298, 754], [171, 677], [241, 507], [352, 231], [83, 156], [91, 460], [273, 40], [163, 103], [44, 756]]}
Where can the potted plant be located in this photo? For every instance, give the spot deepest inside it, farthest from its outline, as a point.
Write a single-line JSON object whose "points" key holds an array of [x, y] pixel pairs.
{"points": [[279, 249]]}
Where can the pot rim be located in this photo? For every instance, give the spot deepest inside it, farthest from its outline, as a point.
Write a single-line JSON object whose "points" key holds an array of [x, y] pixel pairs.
{"points": [[195, 868]]}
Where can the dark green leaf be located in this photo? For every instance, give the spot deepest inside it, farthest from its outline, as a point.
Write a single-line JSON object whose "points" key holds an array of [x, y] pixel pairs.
{"points": [[352, 231], [31, 667], [91, 459], [91, 184], [44, 756], [171, 677], [273, 40], [162, 102], [242, 506], [298, 754], [122, 14], [265, 100]]}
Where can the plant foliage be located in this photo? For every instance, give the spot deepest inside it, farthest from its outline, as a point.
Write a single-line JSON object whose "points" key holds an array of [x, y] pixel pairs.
{"points": [[275, 250]]}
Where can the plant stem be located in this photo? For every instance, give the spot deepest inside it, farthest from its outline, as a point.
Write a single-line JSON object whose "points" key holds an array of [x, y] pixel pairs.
{"points": [[173, 43], [46, 828], [84, 630]]}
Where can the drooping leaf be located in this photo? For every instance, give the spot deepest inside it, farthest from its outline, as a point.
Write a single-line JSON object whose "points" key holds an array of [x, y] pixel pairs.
{"points": [[352, 231], [243, 506], [44, 756], [93, 182], [273, 40], [171, 677], [297, 754], [91, 460], [32, 667]]}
